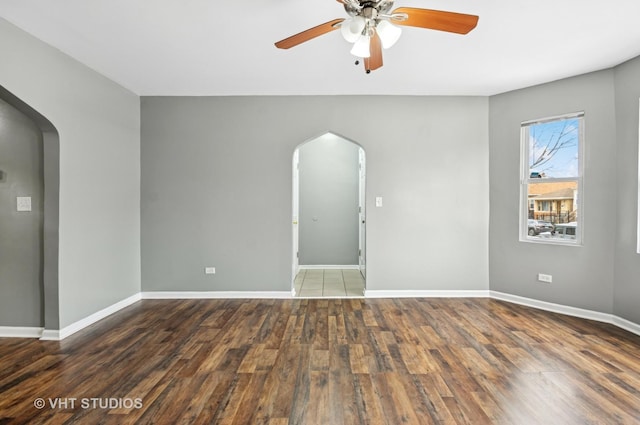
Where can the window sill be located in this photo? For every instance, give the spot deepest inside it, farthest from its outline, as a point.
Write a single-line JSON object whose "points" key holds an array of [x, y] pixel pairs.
{"points": [[552, 241]]}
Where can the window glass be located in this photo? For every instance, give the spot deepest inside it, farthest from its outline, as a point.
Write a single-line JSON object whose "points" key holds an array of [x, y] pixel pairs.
{"points": [[553, 148], [551, 180]]}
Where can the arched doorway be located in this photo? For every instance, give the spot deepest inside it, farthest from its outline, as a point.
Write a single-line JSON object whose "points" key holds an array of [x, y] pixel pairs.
{"points": [[49, 211], [328, 218]]}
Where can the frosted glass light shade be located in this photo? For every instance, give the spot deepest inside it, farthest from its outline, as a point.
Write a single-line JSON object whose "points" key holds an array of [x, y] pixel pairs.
{"points": [[388, 33], [361, 47], [351, 28]]}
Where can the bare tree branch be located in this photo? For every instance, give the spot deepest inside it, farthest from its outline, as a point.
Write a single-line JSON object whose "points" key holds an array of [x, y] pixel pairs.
{"points": [[548, 146]]}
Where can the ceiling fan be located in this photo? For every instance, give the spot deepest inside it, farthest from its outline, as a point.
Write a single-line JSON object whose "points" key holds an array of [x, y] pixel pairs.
{"points": [[370, 27]]}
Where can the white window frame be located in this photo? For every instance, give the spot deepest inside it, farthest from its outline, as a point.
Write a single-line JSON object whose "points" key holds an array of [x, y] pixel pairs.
{"points": [[525, 179]]}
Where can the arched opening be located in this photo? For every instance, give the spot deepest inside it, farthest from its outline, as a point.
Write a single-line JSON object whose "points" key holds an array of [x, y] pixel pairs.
{"points": [[328, 218], [45, 204]]}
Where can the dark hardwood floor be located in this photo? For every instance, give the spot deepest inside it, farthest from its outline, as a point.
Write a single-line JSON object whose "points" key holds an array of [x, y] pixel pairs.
{"points": [[332, 361]]}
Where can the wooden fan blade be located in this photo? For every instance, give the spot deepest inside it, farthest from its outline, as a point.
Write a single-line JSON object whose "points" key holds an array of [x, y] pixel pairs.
{"points": [[459, 23], [374, 61], [307, 35]]}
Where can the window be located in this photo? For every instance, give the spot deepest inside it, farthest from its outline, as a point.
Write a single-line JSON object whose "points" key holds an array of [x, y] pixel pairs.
{"points": [[551, 180]]}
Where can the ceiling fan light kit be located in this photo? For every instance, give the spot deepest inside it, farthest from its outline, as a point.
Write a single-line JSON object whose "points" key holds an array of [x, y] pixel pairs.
{"points": [[352, 28], [370, 29], [388, 33]]}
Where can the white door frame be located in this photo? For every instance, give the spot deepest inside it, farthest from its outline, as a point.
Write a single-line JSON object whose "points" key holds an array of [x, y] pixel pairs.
{"points": [[362, 216], [295, 211]]}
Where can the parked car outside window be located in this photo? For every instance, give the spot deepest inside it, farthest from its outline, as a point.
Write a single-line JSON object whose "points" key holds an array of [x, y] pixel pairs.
{"points": [[566, 230], [535, 227]]}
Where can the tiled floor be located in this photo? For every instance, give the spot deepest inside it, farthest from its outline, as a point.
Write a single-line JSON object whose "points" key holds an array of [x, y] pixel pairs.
{"points": [[329, 283]]}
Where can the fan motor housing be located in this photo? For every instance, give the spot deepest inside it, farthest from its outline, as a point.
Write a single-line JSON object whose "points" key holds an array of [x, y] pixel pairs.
{"points": [[368, 9]]}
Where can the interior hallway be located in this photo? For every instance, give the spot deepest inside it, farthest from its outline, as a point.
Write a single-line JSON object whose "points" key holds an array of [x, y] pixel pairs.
{"points": [[329, 283]]}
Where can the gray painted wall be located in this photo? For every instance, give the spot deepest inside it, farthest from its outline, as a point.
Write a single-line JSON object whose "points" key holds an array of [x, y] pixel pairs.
{"points": [[329, 177], [21, 233], [627, 266], [582, 276], [216, 189], [99, 126]]}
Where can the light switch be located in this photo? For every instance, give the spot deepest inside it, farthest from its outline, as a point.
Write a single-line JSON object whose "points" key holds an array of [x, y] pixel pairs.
{"points": [[24, 203], [378, 201]]}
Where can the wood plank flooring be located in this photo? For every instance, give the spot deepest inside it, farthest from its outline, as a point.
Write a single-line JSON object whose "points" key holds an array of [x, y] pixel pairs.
{"points": [[326, 361]]}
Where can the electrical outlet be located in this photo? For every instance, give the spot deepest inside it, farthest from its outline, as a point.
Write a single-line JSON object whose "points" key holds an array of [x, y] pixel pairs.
{"points": [[209, 270], [547, 278]]}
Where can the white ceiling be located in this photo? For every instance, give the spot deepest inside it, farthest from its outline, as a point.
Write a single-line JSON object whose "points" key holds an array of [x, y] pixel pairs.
{"points": [[211, 47]]}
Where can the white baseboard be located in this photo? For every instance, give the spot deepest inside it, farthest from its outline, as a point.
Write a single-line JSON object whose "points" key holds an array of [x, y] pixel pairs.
{"points": [[89, 320], [409, 293], [20, 332], [330, 267], [555, 308], [180, 295], [626, 325], [50, 335], [56, 335], [569, 311]]}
